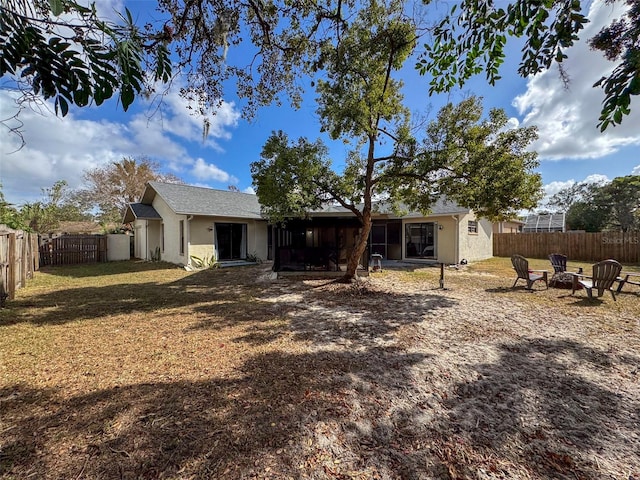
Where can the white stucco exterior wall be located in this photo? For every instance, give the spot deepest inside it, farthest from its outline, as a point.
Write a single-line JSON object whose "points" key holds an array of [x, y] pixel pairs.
{"points": [[475, 246], [198, 235], [201, 238], [453, 240], [445, 238], [171, 222], [140, 245]]}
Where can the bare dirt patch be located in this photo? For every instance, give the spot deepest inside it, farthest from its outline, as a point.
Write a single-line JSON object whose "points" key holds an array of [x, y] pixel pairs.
{"points": [[147, 371]]}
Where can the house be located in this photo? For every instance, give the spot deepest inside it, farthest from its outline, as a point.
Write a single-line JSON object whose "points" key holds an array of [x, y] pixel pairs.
{"points": [[508, 226], [181, 221], [324, 241]]}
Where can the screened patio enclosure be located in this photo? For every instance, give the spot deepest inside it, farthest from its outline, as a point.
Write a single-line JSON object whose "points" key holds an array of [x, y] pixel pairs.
{"points": [[319, 244]]}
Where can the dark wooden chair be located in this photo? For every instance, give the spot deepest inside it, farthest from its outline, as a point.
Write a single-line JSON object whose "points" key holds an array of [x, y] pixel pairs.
{"points": [[605, 274], [521, 266], [558, 262]]}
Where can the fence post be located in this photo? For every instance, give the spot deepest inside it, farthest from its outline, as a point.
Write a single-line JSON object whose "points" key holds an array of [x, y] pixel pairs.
{"points": [[24, 261], [11, 268], [35, 252]]}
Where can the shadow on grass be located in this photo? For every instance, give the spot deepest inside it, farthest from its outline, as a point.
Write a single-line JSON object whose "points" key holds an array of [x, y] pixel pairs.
{"points": [[343, 414], [68, 304], [277, 415], [106, 268], [532, 404]]}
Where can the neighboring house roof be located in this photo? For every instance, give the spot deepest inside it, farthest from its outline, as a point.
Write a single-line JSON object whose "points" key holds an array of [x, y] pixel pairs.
{"points": [[544, 223], [189, 200]]}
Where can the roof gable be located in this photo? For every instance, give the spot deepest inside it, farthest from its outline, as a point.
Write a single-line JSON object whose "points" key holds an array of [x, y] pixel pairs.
{"points": [[189, 200], [140, 211]]}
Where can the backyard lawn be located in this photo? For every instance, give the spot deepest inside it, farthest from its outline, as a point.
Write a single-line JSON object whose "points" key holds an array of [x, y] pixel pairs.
{"points": [[133, 370]]}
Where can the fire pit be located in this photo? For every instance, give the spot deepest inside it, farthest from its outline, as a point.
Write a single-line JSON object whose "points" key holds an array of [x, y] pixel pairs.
{"points": [[562, 280]]}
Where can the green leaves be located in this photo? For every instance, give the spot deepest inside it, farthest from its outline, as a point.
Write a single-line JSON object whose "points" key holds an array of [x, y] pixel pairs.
{"points": [[292, 178], [472, 160], [57, 7], [77, 68]]}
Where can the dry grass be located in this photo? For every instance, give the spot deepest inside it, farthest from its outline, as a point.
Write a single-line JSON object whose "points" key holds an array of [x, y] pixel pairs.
{"points": [[138, 370]]}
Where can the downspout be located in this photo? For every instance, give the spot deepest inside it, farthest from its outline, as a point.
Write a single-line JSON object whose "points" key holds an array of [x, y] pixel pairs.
{"points": [[215, 241], [146, 239], [456, 240], [188, 239]]}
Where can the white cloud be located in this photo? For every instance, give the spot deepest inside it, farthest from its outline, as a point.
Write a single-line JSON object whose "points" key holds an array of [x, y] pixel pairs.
{"points": [[636, 170], [567, 118], [249, 190], [596, 178], [552, 188], [208, 171], [175, 116], [63, 148]]}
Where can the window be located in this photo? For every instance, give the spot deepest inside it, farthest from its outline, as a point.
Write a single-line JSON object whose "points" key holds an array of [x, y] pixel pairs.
{"points": [[162, 237], [473, 226], [181, 237]]}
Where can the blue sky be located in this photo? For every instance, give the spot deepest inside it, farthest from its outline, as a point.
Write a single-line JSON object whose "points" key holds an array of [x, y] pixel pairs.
{"points": [[570, 148]]}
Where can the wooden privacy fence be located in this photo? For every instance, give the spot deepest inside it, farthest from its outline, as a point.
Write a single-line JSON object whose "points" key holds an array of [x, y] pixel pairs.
{"points": [[18, 260], [74, 249], [582, 246]]}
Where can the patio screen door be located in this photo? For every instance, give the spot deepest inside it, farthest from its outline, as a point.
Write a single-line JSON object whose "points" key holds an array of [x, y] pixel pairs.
{"points": [[379, 239]]}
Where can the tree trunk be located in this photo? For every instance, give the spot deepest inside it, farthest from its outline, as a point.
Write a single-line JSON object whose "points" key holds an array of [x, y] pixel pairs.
{"points": [[360, 247], [363, 237]]}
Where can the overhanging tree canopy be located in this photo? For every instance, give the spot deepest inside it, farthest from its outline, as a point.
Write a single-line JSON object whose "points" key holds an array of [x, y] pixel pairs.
{"points": [[472, 39], [62, 50], [65, 51]]}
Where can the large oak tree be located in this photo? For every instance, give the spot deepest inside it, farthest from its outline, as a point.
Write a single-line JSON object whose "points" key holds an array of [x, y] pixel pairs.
{"points": [[477, 162]]}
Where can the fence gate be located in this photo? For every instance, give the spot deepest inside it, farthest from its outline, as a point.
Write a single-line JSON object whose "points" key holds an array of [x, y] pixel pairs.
{"points": [[73, 250]]}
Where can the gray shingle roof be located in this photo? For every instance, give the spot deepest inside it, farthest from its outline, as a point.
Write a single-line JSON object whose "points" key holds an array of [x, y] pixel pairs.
{"points": [[189, 200], [140, 210], [441, 207]]}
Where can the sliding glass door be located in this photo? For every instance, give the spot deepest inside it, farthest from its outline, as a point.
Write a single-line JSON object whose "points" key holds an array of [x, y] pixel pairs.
{"points": [[231, 241], [420, 240]]}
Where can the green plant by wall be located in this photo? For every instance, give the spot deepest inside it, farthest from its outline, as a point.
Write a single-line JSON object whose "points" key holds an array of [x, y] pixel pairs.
{"points": [[205, 262], [252, 257], [155, 254]]}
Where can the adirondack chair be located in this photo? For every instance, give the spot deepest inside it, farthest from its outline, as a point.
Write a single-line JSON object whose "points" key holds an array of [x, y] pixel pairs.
{"points": [[605, 274], [558, 262], [521, 266]]}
